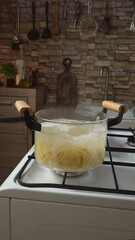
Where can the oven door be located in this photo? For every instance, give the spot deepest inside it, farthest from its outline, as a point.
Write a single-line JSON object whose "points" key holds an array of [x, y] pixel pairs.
{"points": [[44, 220], [4, 219]]}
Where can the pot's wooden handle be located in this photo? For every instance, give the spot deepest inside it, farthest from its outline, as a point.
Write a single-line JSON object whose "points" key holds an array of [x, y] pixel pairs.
{"points": [[21, 106], [116, 107]]}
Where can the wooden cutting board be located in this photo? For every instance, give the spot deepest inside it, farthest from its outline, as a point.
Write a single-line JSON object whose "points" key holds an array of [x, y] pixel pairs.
{"points": [[66, 85]]}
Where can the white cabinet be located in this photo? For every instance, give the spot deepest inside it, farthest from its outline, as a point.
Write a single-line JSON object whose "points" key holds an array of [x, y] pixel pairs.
{"points": [[4, 219], [43, 220]]}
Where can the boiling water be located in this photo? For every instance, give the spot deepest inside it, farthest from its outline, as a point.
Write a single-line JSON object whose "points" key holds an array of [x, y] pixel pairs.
{"points": [[70, 147]]}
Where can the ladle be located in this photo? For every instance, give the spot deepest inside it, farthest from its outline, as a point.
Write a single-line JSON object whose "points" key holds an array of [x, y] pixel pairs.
{"points": [[47, 32], [33, 34], [105, 26], [16, 41]]}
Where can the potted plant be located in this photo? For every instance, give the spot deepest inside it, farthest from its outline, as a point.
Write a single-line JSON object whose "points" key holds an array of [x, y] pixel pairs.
{"points": [[10, 72]]}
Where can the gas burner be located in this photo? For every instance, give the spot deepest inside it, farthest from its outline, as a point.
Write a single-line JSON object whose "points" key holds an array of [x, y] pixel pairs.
{"points": [[69, 174], [131, 141]]}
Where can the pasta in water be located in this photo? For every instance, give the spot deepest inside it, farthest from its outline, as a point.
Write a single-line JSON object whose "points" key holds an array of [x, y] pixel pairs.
{"points": [[68, 148]]}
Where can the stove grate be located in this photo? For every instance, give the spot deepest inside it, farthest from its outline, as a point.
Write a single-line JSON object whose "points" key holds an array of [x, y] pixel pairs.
{"points": [[63, 184]]}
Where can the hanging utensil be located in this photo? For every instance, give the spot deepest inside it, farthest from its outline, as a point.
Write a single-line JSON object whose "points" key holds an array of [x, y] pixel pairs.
{"points": [[88, 25], [132, 24], [16, 41], [1, 6], [7, 23], [65, 9], [47, 32], [78, 10], [64, 21], [56, 27], [106, 24], [33, 34]]}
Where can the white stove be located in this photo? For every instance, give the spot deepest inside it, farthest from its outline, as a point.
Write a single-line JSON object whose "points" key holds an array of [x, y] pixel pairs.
{"points": [[37, 203]]}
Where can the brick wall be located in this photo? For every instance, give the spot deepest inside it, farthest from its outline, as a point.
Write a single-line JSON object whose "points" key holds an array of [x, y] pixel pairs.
{"points": [[115, 49]]}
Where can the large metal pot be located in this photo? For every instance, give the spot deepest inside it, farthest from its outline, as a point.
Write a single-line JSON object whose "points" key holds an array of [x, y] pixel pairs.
{"points": [[69, 139]]}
